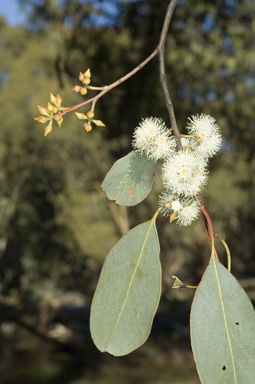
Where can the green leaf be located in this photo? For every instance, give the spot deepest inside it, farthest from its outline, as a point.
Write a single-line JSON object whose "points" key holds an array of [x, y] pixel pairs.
{"points": [[223, 329], [130, 179], [128, 292]]}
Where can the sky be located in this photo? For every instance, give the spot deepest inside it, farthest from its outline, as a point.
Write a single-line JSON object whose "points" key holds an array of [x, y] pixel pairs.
{"points": [[12, 13], [10, 10]]}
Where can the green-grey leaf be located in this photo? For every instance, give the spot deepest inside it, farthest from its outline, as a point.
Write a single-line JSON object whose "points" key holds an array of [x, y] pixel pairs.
{"points": [[223, 329], [130, 179], [128, 292]]}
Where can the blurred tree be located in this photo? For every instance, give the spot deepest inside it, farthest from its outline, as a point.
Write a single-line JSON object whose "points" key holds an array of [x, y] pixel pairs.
{"points": [[41, 231]]}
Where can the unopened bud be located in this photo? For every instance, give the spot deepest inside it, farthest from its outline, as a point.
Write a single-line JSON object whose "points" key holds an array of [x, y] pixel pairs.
{"points": [[87, 73], [87, 127], [53, 99], [86, 77], [41, 119], [76, 88], [86, 80], [59, 119], [90, 114], [59, 101], [81, 76], [83, 91], [50, 107], [81, 116], [43, 111], [48, 129], [99, 123]]}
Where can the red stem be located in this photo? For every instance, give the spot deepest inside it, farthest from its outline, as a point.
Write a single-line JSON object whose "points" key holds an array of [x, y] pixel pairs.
{"points": [[209, 226]]}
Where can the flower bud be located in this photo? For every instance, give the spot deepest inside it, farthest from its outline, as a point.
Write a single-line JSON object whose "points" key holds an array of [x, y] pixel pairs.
{"points": [[76, 88], [59, 101], [41, 119], [99, 123], [53, 99], [48, 129], [81, 76], [86, 80], [43, 111], [86, 76], [90, 114], [87, 127], [81, 116], [59, 119], [87, 73], [50, 107], [83, 91]]}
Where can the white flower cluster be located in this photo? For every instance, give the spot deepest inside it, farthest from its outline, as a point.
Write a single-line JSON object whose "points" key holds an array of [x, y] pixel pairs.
{"points": [[184, 172], [154, 139]]}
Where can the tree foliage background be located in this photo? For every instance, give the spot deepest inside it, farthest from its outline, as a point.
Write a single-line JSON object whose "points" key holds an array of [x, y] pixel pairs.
{"points": [[56, 224]]}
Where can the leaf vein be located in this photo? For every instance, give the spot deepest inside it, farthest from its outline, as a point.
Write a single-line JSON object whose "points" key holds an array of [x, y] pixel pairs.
{"points": [[130, 284], [225, 319]]}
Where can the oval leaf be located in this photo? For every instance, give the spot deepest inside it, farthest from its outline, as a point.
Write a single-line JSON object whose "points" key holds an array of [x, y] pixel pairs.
{"points": [[223, 329], [130, 179], [128, 292]]}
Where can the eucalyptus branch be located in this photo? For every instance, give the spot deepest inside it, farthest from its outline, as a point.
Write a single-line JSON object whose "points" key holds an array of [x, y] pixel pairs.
{"points": [[163, 78], [107, 88], [56, 111], [159, 50]]}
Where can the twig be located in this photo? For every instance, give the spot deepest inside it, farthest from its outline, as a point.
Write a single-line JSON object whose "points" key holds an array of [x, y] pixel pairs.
{"points": [[163, 78], [107, 88], [159, 50]]}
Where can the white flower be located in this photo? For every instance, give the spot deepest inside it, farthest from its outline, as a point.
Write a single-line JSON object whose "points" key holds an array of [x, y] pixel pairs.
{"points": [[176, 205], [187, 213], [186, 144], [185, 210], [208, 138], [162, 146], [147, 130], [184, 174], [153, 138]]}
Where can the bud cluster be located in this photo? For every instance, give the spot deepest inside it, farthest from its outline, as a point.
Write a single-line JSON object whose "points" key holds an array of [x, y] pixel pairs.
{"points": [[53, 111], [184, 172], [85, 79], [88, 120]]}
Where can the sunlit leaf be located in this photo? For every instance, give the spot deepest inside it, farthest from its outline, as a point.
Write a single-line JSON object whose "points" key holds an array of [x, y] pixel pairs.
{"points": [[223, 329], [128, 292], [130, 179]]}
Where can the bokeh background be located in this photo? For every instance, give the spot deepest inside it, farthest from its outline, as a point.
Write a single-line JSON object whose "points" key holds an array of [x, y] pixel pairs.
{"points": [[56, 224]]}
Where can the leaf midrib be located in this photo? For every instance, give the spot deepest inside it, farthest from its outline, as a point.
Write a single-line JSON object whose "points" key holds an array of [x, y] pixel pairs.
{"points": [[225, 319], [129, 285]]}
